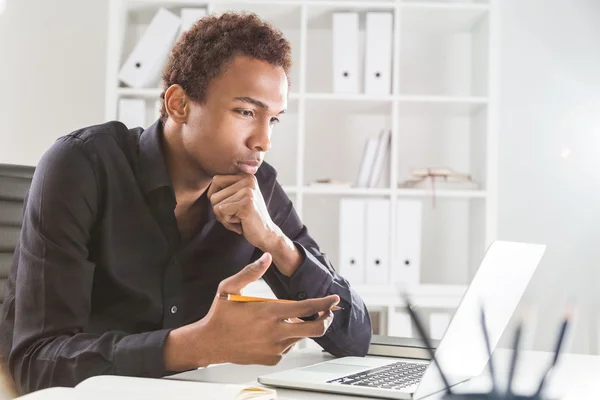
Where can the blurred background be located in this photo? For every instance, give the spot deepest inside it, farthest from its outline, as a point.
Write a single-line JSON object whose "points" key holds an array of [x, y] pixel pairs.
{"points": [[496, 101]]}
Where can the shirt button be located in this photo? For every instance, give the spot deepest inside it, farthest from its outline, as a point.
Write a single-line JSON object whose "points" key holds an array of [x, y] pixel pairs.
{"points": [[301, 295], [174, 310]]}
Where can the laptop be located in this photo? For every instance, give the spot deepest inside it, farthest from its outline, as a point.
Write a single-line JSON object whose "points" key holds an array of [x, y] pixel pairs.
{"points": [[498, 286]]}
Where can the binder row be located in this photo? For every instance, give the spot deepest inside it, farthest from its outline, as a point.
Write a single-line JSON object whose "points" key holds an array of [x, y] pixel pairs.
{"points": [[364, 242], [377, 77]]}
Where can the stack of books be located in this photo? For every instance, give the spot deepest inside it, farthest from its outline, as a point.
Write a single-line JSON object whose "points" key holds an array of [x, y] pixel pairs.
{"points": [[439, 179]]}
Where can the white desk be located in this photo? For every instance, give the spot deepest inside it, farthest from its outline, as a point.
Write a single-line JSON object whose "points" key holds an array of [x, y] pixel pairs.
{"points": [[576, 378]]}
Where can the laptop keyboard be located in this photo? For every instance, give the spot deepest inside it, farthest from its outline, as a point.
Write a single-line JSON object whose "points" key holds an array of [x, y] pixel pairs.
{"points": [[397, 376]]}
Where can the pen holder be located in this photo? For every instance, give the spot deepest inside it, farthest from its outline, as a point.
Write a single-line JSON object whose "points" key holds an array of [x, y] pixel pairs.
{"points": [[490, 396]]}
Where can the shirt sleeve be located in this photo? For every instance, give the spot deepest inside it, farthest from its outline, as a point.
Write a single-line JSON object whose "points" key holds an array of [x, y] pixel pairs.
{"points": [[350, 333], [53, 281]]}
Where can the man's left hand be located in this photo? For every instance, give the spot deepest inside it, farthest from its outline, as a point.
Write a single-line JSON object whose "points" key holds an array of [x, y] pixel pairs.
{"points": [[239, 205]]}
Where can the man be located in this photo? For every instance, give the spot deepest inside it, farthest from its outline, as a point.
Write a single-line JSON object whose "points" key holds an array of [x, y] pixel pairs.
{"points": [[129, 236]]}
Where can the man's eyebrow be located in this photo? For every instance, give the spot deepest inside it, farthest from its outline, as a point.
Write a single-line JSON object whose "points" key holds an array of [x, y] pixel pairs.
{"points": [[255, 102]]}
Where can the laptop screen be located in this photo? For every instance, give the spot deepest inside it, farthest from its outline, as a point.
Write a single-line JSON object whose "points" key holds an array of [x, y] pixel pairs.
{"points": [[498, 286]]}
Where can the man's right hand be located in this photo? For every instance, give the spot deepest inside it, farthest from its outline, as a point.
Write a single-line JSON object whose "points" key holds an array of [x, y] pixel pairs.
{"points": [[246, 333]]}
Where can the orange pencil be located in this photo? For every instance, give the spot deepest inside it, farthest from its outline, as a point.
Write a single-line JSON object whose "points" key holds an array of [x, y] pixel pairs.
{"points": [[250, 299]]}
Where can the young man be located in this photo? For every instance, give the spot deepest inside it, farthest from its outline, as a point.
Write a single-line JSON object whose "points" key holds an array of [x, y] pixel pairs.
{"points": [[129, 236]]}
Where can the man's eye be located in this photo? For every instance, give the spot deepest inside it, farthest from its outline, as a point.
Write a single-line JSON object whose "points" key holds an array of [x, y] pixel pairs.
{"points": [[246, 113], [274, 121]]}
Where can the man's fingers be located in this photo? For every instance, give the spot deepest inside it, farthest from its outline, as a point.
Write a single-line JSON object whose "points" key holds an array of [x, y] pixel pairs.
{"points": [[252, 272], [220, 182], [287, 344], [316, 328], [305, 308], [228, 191]]}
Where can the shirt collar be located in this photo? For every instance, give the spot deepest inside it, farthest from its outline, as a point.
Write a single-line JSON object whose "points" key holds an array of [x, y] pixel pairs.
{"points": [[153, 170]]}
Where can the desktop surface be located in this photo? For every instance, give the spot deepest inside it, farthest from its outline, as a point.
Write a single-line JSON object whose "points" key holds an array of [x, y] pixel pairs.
{"points": [[576, 375]]}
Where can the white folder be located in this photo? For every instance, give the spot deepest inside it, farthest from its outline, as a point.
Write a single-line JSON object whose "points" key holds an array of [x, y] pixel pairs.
{"points": [[400, 324], [352, 234], [189, 16], [438, 323], [144, 65], [345, 52], [377, 235], [378, 53], [383, 150], [406, 270], [132, 112], [366, 165]]}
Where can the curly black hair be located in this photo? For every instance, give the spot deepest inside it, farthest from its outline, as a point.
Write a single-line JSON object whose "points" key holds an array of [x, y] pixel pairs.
{"points": [[205, 50]]}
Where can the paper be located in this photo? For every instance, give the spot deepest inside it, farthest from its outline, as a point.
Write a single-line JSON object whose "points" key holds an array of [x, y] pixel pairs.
{"points": [[167, 389]]}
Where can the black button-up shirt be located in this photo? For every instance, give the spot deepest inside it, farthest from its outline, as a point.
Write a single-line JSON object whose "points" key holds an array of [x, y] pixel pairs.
{"points": [[100, 275]]}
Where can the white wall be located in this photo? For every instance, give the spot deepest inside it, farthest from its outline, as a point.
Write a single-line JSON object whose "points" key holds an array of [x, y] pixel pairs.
{"points": [[52, 67], [551, 105]]}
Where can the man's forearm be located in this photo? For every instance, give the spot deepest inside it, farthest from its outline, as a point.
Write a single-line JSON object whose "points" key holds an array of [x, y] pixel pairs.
{"points": [[67, 360], [286, 256]]}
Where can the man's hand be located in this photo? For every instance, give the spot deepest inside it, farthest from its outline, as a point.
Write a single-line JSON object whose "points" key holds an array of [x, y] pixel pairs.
{"points": [[238, 204], [246, 333]]}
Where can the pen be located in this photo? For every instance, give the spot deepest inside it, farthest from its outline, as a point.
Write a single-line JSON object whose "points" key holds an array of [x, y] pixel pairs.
{"points": [[513, 361], [425, 338], [488, 347], [559, 342], [250, 299]]}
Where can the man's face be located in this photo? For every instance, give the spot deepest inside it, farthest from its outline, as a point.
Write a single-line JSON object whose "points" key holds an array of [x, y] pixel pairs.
{"points": [[231, 132]]}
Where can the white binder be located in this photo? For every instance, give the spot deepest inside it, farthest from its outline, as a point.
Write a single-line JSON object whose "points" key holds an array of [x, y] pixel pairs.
{"points": [[406, 270], [400, 324], [352, 234], [345, 52], [132, 112], [144, 65], [366, 165], [378, 53], [383, 150], [189, 16], [377, 235], [438, 323]]}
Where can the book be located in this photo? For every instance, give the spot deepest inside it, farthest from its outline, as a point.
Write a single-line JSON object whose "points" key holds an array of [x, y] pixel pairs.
{"points": [[366, 165], [391, 346], [383, 149], [441, 178], [124, 387], [439, 184]]}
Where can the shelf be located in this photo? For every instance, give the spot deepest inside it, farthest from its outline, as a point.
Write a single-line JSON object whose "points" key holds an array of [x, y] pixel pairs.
{"points": [[345, 191], [347, 97], [353, 191], [151, 93], [409, 104], [454, 194], [154, 93], [441, 17], [441, 105], [376, 296]]}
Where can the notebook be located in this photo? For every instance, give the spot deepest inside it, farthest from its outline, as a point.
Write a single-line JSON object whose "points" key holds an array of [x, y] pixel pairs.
{"points": [[121, 388]]}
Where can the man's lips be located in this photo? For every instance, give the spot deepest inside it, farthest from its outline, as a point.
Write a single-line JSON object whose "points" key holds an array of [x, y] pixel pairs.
{"points": [[249, 166]]}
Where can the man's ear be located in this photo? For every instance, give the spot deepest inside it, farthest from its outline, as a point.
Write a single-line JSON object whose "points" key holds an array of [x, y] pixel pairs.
{"points": [[177, 104]]}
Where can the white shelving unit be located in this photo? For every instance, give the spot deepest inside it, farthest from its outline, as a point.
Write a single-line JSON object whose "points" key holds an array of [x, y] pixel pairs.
{"points": [[442, 111]]}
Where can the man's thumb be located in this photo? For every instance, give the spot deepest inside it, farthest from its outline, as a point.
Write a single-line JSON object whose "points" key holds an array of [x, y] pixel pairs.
{"points": [[251, 273]]}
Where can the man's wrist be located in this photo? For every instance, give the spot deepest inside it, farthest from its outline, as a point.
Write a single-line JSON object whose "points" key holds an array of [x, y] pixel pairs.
{"points": [[286, 257], [183, 349]]}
